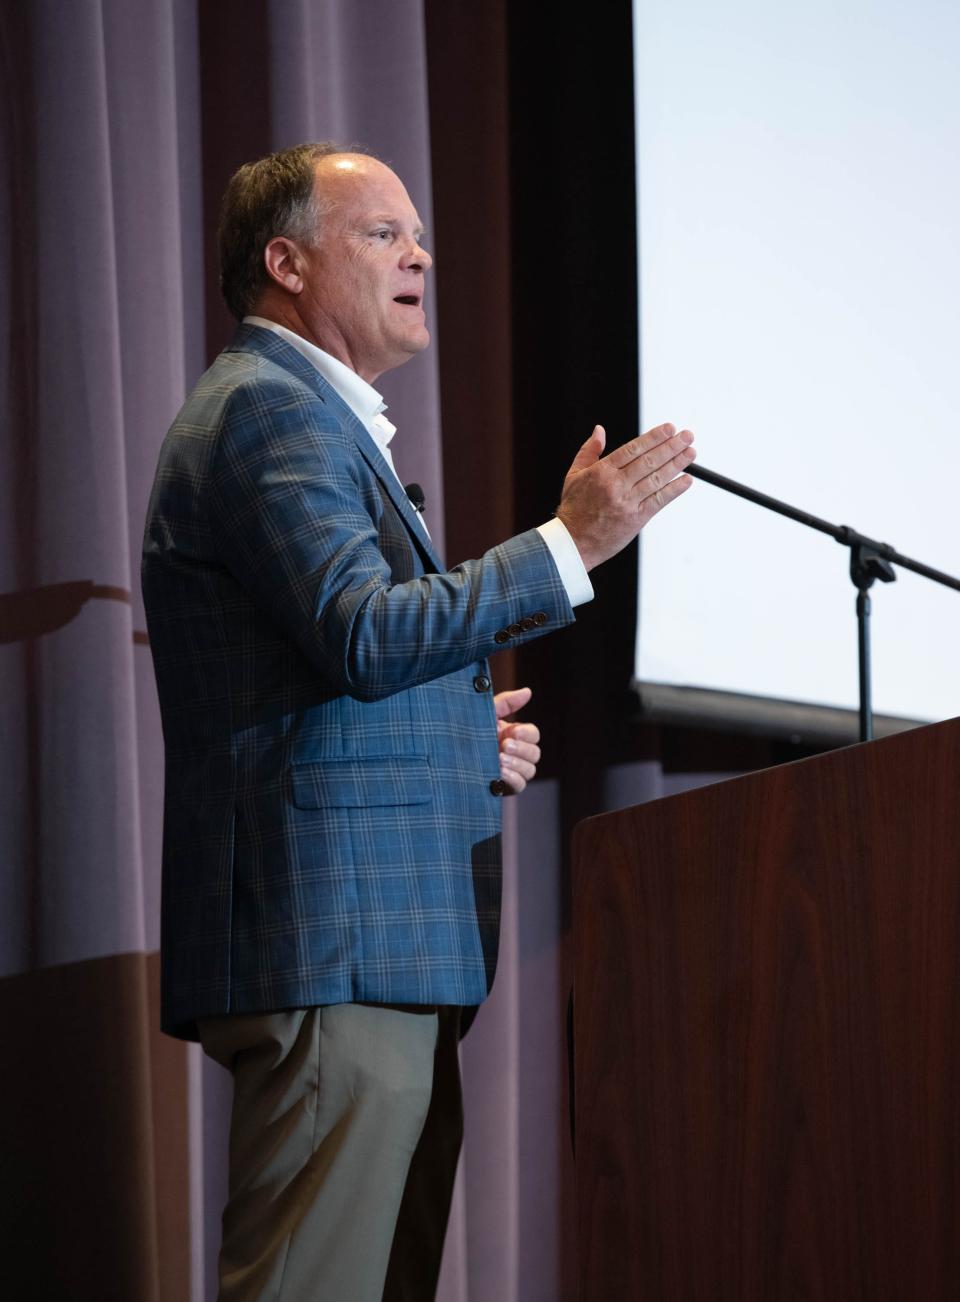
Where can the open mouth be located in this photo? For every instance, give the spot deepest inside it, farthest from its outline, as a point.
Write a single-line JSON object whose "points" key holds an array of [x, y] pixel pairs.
{"points": [[409, 300]]}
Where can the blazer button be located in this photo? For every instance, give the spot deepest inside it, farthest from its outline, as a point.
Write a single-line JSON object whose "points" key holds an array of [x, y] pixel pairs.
{"points": [[540, 618], [501, 635], [481, 683], [527, 624], [513, 630], [498, 787]]}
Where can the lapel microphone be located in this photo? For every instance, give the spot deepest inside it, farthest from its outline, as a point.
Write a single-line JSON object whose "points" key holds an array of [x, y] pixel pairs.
{"points": [[416, 496]]}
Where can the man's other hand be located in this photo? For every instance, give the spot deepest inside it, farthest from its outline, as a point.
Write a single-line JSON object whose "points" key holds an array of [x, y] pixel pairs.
{"points": [[519, 752], [606, 501]]}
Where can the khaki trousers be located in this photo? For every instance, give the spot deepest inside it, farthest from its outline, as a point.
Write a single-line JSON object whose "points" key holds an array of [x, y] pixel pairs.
{"points": [[344, 1137]]}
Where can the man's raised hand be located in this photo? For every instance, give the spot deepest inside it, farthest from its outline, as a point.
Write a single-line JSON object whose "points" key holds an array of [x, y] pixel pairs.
{"points": [[606, 501]]}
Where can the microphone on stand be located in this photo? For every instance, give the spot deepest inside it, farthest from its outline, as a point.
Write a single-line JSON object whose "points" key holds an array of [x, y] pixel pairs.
{"points": [[869, 560]]}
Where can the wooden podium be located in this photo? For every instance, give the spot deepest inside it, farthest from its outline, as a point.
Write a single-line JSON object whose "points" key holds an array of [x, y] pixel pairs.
{"points": [[767, 1035]]}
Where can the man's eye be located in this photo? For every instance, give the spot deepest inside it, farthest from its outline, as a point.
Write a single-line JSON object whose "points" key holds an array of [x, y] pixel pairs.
{"points": [[383, 234]]}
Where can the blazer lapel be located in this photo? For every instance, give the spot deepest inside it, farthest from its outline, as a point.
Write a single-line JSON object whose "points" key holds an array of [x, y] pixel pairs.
{"points": [[394, 489], [250, 338]]}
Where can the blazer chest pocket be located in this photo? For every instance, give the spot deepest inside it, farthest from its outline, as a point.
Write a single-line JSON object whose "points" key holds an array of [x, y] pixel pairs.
{"points": [[362, 783]]}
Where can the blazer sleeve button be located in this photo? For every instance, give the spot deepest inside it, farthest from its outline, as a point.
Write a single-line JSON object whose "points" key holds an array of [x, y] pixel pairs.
{"points": [[527, 624], [498, 787], [540, 618], [481, 683], [513, 630], [501, 636]]}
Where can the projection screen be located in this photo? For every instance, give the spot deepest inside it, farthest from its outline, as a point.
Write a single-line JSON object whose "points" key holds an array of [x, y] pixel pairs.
{"points": [[799, 279]]}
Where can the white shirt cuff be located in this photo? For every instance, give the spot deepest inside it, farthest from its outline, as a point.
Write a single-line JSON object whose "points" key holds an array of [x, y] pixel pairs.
{"points": [[573, 573]]}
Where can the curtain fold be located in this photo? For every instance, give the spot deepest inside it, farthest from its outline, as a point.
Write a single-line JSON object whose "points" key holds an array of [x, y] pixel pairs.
{"points": [[95, 1107]]}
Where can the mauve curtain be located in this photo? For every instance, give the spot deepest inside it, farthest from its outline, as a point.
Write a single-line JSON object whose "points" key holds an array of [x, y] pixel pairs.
{"points": [[114, 1136], [98, 183]]}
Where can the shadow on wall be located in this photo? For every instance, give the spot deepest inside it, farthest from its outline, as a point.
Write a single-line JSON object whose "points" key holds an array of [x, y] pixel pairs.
{"points": [[34, 611]]}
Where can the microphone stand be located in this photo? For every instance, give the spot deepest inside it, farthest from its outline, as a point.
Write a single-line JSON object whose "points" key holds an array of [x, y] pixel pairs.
{"points": [[869, 560]]}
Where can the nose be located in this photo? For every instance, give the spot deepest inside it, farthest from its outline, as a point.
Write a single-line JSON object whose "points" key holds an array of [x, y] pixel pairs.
{"points": [[416, 258]]}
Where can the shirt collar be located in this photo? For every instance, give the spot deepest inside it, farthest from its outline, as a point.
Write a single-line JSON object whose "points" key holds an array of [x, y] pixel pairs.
{"points": [[362, 398]]}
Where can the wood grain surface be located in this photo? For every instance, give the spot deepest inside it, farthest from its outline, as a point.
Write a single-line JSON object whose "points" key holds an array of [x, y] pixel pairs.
{"points": [[767, 1005]]}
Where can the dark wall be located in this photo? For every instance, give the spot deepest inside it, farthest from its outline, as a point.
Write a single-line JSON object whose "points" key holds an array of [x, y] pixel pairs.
{"points": [[532, 139]]}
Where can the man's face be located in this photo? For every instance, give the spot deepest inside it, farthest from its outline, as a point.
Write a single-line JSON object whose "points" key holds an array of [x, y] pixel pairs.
{"points": [[362, 296]]}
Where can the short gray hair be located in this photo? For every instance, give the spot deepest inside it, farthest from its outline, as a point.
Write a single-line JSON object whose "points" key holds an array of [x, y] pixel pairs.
{"points": [[273, 196]]}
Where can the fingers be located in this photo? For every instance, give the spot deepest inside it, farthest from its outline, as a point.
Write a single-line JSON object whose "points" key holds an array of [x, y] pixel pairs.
{"points": [[516, 782], [642, 444], [520, 739], [591, 450], [518, 742], [656, 456], [505, 703], [657, 477], [518, 760], [660, 462], [660, 497]]}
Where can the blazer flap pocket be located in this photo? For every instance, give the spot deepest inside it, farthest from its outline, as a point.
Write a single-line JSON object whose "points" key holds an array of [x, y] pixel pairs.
{"points": [[360, 783]]}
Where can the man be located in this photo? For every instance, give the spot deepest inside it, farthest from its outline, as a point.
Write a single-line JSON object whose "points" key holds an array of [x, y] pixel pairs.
{"points": [[335, 757]]}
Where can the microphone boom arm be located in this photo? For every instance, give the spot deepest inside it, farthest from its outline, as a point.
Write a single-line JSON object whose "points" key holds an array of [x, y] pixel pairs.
{"points": [[869, 560]]}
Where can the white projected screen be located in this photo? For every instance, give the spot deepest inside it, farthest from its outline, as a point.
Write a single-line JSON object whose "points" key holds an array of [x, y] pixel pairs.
{"points": [[799, 235]]}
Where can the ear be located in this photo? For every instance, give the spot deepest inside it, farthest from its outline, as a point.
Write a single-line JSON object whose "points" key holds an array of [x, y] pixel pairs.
{"points": [[283, 262]]}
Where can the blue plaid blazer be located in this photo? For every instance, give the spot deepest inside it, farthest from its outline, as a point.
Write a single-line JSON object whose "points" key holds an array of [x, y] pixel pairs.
{"points": [[331, 832]]}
